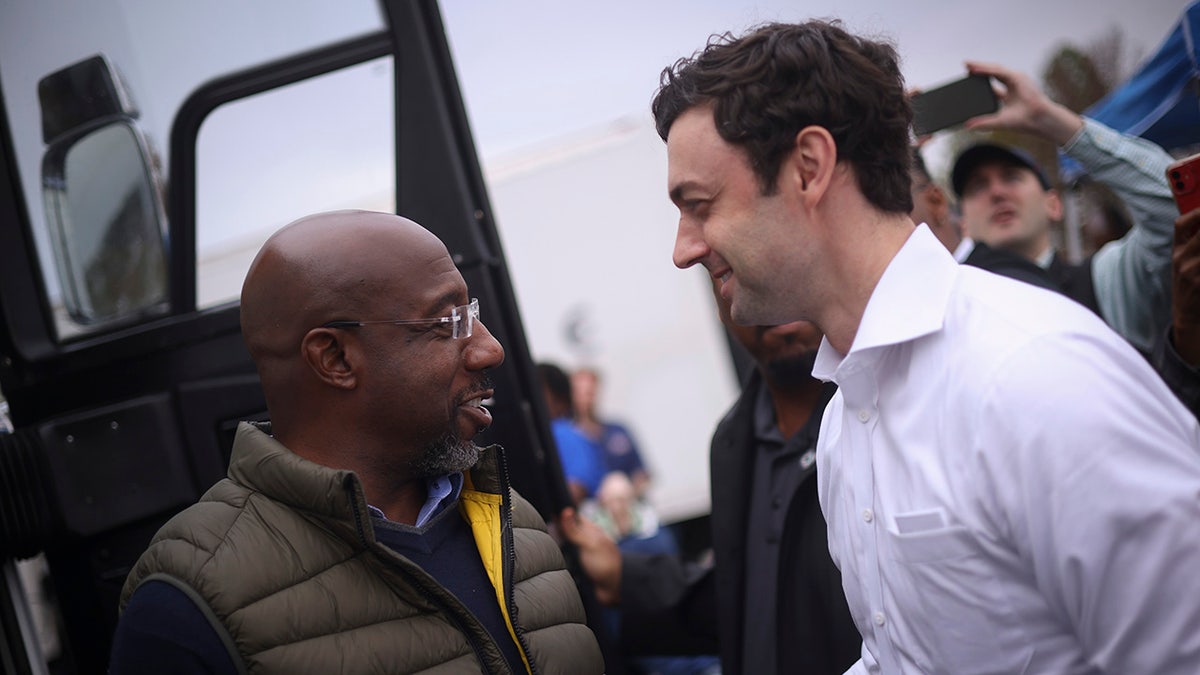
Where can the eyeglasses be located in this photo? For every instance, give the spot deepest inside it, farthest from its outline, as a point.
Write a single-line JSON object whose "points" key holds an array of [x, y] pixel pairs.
{"points": [[462, 320]]}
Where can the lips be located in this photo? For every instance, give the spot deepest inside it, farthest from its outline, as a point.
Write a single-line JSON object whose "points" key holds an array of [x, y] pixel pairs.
{"points": [[1004, 216], [724, 278], [475, 416]]}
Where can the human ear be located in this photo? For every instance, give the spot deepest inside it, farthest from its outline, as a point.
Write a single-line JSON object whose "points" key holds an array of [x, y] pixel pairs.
{"points": [[938, 201], [1054, 205], [326, 352], [812, 162]]}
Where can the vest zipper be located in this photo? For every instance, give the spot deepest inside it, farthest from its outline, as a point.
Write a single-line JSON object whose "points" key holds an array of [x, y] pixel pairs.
{"points": [[418, 583], [510, 557]]}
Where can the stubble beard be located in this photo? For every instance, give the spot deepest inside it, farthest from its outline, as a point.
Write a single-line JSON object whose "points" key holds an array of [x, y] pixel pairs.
{"points": [[448, 454], [792, 371]]}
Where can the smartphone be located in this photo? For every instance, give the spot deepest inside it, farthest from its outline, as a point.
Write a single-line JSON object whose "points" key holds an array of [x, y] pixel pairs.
{"points": [[1184, 178], [952, 104]]}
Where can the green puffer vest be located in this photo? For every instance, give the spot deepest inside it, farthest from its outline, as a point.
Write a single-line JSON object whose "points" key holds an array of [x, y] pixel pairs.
{"points": [[282, 558]]}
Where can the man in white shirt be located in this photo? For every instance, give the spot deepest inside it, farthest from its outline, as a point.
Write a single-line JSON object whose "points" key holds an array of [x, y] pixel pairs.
{"points": [[1009, 487]]}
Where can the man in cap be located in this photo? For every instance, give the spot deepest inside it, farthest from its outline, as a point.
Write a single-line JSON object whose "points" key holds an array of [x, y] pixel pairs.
{"points": [[1009, 203]]}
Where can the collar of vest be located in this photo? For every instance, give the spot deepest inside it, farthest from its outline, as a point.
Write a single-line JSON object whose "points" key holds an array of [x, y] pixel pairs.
{"points": [[261, 463]]}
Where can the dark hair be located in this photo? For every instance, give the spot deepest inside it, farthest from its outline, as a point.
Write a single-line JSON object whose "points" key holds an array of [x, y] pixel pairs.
{"points": [[557, 383], [772, 82], [918, 165]]}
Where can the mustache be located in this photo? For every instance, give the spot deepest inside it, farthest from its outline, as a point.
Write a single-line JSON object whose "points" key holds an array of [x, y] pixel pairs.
{"points": [[484, 384]]}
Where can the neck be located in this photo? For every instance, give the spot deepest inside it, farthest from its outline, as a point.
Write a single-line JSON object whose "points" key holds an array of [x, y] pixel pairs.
{"points": [[400, 503], [398, 497], [794, 402], [589, 425], [861, 252]]}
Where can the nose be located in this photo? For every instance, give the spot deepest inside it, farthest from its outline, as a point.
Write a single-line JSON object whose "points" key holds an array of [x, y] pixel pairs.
{"points": [[995, 189], [690, 247], [483, 350]]}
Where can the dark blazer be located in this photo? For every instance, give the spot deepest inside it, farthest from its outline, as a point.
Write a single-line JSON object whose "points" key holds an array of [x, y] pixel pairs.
{"points": [[815, 632], [1075, 281], [1012, 265]]}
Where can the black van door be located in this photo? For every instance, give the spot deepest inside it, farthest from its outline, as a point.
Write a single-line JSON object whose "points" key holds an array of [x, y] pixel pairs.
{"points": [[145, 152]]}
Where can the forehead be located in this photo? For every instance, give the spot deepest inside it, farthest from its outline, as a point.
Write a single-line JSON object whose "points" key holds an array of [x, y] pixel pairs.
{"points": [[414, 273], [999, 164], [435, 286], [696, 153]]}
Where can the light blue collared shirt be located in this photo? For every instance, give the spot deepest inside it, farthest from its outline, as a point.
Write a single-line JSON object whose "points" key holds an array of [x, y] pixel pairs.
{"points": [[442, 492]]}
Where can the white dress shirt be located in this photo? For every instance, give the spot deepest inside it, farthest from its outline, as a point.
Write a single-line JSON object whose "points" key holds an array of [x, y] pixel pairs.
{"points": [[1008, 485]]}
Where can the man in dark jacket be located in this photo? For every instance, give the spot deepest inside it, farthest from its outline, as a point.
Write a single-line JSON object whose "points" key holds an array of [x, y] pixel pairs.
{"points": [[773, 598], [361, 530]]}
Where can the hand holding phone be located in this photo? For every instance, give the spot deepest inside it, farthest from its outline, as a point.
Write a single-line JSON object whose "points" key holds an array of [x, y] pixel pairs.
{"points": [[1184, 178], [952, 104]]}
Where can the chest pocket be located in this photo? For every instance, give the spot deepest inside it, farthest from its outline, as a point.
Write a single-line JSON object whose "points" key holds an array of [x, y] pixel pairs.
{"points": [[955, 617]]}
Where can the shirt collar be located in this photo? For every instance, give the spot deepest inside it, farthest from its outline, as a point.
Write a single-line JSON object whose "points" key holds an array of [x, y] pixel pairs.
{"points": [[908, 302], [964, 249], [1043, 261], [441, 492]]}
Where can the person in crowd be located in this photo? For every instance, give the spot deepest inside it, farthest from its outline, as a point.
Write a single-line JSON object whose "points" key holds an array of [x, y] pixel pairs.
{"points": [[1008, 202], [582, 460], [621, 503], [777, 596], [931, 206], [620, 451], [1008, 486], [1178, 355], [361, 529]]}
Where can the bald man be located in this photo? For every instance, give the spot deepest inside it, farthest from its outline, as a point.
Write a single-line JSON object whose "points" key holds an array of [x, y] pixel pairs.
{"points": [[361, 530]]}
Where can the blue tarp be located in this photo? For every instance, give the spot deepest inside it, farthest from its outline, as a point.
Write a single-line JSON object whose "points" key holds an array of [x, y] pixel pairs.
{"points": [[1161, 101]]}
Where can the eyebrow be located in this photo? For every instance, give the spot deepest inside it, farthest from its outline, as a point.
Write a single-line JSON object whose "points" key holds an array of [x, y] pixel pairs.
{"points": [[451, 298], [676, 192]]}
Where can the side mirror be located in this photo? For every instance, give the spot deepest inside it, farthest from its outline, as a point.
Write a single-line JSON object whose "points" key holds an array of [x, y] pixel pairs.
{"points": [[103, 206]]}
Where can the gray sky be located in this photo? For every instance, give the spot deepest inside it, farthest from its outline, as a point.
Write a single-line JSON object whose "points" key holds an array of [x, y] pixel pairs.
{"points": [[536, 69]]}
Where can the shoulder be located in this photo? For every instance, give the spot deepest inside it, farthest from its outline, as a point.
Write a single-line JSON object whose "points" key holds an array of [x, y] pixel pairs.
{"points": [[1016, 345], [230, 523], [524, 515], [192, 536], [985, 304], [1010, 265], [1048, 373], [565, 431]]}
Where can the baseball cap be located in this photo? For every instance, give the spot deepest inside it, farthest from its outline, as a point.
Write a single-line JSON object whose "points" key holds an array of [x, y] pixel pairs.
{"points": [[981, 153]]}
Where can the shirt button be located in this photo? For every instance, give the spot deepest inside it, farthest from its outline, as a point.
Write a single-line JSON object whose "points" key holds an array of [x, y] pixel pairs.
{"points": [[864, 415], [879, 620], [868, 516]]}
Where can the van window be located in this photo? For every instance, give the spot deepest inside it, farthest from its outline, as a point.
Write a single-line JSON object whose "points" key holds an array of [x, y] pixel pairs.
{"points": [[322, 144], [161, 53]]}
